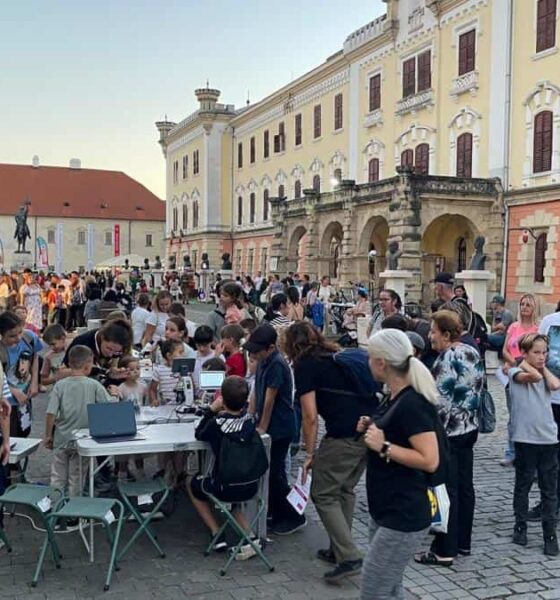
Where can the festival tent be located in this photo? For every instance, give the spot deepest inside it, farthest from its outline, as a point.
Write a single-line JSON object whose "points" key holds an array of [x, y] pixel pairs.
{"points": [[134, 260]]}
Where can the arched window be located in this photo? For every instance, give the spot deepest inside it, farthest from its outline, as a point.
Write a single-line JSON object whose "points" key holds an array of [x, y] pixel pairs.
{"points": [[461, 254], [281, 193], [252, 207], [464, 155], [373, 170], [265, 205], [175, 218], [317, 183], [338, 175], [297, 189], [407, 158], [239, 210], [185, 216], [540, 258], [542, 142], [195, 214], [422, 159]]}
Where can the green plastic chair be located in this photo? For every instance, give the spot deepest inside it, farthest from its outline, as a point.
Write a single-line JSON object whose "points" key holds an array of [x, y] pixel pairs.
{"points": [[244, 536], [134, 490], [91, 509], [29, 495], [4, 539]]}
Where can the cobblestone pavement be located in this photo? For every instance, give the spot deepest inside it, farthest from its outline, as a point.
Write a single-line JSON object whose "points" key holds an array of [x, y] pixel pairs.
{"points": [[497, 568]]}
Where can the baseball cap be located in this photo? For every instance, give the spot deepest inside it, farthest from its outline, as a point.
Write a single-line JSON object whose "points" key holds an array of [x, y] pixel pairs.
{"points": [[261, 338], [499, 299], [444, 277], [416, 340]]}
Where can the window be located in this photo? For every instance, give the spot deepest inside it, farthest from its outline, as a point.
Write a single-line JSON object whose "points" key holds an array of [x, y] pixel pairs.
{"points": [[196, 166], [175, 218], [266, 144], [50, 236], [250, 260], [464, 155], [280, 139], [175, 172], [425, 71], [461, 255], [297, 188], [238, 260], [252, 150], [337, 175], [266, 206], [81, 238], [467, 42], [185, 216], [540, 258], [374, 92], [264, 260], [239, 210], [298, 128], [108, 238], [422, 159], [338, 115], [185, 166], [239, 155], [373, 170], [407, 158], [281, 192], [252, 207], [195, 214], [149, 241], [317, 121], [409, 77], [317, 183], [542, 142], [546, 24]]}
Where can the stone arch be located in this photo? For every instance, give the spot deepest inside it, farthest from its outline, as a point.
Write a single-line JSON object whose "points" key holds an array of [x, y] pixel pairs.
{"points": [[297, 234], [330, 248], [373, 236], [466, 120], [266, 182], [252, 185], [281, 177], [297, 249]]}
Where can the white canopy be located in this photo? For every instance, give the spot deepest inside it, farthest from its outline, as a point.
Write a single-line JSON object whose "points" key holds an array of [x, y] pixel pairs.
{"points": [[134, 260]]}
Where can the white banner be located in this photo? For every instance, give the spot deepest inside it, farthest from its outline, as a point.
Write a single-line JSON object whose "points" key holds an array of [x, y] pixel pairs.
{"points": [[59, 245], [90, 246]]}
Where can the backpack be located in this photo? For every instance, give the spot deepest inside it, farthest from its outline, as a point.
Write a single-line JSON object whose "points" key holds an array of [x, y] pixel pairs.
{"points": [[241, 461], [486, 413], [318, 313], [479, 331], [29, 341], [355, 364]]}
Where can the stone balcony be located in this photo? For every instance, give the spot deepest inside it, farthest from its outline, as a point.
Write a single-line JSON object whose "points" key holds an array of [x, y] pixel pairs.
{"points": [[468, 82], [374, 118], [412, 104]]}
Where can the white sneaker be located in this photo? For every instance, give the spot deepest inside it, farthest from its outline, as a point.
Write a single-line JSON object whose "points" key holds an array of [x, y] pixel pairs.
{"points": [[247, 551]]}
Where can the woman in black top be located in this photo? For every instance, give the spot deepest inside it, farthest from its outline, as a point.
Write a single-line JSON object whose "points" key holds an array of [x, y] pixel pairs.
{"points": [[403, 450]]}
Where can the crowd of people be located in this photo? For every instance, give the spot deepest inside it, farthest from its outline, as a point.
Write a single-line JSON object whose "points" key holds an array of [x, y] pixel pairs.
{"points": [[406, 412]]}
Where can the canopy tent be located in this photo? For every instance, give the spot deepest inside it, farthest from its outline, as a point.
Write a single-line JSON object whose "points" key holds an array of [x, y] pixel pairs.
{"points": [[134, 260]]}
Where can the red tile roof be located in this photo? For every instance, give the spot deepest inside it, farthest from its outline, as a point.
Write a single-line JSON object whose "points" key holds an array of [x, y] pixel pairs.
{"points": [[78, 193]]}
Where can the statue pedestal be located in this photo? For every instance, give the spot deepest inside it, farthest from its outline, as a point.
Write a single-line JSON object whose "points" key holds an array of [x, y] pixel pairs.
{"points": [[362, 323], [147, 277], [226, 274], [205, 279], [158, 278], [476, 284], [21, 261], [396, 280]]}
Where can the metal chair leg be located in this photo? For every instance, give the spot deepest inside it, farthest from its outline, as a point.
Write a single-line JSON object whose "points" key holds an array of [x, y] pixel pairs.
{"points": [[117, 537]]}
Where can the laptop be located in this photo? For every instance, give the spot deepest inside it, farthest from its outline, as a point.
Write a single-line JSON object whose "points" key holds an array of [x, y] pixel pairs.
{"points": [[211, 380], [112, 422]]}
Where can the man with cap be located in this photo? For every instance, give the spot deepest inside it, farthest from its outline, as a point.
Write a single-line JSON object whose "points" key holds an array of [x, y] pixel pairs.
{"points": [[273, 404], [444, 286], [502, 318]]}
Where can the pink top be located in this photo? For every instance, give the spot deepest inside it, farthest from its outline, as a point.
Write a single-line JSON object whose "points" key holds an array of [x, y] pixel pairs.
{"points": [[233, 315], [515, 332]]}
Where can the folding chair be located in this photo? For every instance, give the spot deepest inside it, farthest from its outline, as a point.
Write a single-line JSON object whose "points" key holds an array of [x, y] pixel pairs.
{"points": [[92, 509], [4, 539], [135, 490], [244, 536]]}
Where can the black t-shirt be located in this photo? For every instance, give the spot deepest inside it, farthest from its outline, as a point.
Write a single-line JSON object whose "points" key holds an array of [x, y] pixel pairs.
{"points": [[397, 495], [100, 363], [339, 407]]}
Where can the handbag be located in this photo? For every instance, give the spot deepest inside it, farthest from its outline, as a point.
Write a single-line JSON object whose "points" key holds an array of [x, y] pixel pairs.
{"points": [[486, 412], [439, 503]]}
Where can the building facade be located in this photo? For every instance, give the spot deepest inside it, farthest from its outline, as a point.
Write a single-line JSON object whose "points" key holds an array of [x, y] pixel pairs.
{"points": [[458, 89], [84, 216]]}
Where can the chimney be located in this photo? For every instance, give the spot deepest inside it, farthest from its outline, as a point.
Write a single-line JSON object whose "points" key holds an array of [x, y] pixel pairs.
{"points": [[164, 127], [207, 97], [35, 161], [75, 163]]}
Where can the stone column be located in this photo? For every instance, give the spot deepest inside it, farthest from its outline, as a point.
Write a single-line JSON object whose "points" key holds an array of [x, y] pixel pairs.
{"points": [[279, 246], [158, 278], [312, 251], [348, 270], [476, 284]]}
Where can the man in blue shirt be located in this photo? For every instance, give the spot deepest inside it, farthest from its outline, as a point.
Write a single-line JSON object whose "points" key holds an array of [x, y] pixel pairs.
{"points": [[273, 404]]}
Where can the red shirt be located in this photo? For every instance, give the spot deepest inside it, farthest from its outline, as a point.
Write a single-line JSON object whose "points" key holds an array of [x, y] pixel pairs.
{"points": [[235, 364]]}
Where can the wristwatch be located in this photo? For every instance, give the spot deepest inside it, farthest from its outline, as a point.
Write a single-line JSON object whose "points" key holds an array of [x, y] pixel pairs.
{"points": [[385, 451]]}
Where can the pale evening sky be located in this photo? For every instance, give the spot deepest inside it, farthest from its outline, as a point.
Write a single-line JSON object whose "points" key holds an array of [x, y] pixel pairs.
{"points": [[88, 80]]}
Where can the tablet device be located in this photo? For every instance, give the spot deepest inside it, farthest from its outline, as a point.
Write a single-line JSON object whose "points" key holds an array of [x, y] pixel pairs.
{"points": [[183, 366], [211, 380]]}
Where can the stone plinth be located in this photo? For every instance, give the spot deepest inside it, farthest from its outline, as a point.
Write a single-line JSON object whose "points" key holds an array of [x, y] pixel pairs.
{"points": [[476, 284], [396, 280], [21, 261], [158, 278]]}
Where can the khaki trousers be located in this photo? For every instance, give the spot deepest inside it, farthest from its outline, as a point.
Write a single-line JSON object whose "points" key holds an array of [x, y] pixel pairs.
{"points": [[65, 471]]}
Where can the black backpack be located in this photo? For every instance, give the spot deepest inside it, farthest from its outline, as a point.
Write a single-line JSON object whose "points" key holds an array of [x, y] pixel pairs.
{"points": [[241, 461]]}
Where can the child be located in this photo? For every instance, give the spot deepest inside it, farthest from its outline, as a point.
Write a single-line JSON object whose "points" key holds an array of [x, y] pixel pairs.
{"points": [[164, 383], [131, 390], [203, 339], [52, 315], [55, 338], [535, 435], [226, 416], [175, 329], [229, 298], [21, 312], [61, 304], [230, 346], [67, 410]]}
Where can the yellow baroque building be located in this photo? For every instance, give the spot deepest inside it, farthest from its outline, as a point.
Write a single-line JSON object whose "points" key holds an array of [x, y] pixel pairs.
{"points": [[423, 128]]}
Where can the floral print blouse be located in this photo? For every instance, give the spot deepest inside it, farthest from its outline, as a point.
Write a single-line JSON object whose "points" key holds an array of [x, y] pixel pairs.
{"points": [[459, 374]]}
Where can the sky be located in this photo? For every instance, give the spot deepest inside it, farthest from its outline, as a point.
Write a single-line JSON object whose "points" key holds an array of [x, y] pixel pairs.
{"points": [[88, 80]]}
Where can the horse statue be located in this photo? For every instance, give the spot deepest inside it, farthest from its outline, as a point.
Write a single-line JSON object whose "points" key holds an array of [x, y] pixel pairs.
{"points": [[22, 229]]}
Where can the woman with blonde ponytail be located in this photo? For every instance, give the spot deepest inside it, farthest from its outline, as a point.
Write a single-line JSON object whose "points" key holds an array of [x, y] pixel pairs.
{"points": [[403, 448]]}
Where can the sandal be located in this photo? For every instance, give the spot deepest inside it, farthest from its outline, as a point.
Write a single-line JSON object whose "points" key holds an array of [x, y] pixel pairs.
{"points": [[429, 558]]}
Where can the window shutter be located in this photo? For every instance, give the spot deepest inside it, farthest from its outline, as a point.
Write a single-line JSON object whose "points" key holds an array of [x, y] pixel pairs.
{"points": [[540, 258], [317, 183], [253, 151], [338, 115], [281, 192], [252, 207], [239, 155], [373, 170], [424, 70], [542, 142], [467, 49], [282, 137], [407, 158], [422, 159], [239, 210], [317, 121], [375, 93], [297, 189], [265, 205], [464, 155], [298, 124], [409, 77], [266, 144], [546, 24]]}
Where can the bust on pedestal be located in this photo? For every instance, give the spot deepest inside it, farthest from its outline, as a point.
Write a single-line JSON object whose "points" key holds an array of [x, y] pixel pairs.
{"points": [[476, 278], [226, 271], [395, 279]]}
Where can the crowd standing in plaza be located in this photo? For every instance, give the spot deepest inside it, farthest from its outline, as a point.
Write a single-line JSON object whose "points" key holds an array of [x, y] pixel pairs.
{"points": [[406, 411]]}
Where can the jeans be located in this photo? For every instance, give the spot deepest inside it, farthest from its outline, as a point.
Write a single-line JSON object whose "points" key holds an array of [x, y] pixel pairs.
{"points": [[496, 341], [542, 458], [461, 496], [279, 508], [556, 413]]}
